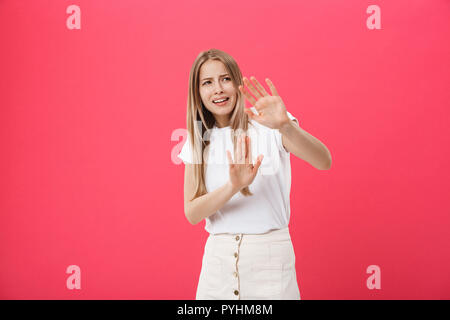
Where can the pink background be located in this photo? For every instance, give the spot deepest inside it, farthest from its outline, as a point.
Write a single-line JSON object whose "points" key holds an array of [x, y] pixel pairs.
{"points": [[87, 176]]}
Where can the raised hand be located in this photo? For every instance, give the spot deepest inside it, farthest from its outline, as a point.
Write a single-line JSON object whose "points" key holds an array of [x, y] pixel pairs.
{"points": [[242, 171], [271, 109]]}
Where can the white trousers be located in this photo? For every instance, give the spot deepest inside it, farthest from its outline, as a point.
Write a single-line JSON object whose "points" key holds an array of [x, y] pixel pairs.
{"points": [[249, 267]]}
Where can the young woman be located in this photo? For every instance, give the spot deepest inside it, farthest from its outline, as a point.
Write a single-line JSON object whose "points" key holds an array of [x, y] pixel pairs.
{"points": [[243, 198]]}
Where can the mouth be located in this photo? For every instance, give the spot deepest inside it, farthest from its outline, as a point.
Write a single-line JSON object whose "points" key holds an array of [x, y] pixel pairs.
{"points": [[221, 102]]}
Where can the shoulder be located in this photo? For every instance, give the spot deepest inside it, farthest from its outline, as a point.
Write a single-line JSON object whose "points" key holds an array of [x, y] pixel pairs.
{"points": [[261, 133]]}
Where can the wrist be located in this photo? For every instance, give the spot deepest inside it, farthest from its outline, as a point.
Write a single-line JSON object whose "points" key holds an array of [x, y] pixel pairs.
{"points": [[232, 188], [286, 126]]}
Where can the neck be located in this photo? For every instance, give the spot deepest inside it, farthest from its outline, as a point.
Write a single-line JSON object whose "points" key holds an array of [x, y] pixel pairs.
{"points": [[222, 122]]}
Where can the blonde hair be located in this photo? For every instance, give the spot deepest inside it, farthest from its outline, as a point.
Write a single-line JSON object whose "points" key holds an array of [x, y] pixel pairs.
{"points": [[199, 119]]}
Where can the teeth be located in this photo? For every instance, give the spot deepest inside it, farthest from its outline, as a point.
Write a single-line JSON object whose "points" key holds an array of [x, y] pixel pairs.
{"points": [[215, 101]]}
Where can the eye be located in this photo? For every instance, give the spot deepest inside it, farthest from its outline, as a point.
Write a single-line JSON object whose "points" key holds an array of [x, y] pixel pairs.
{"points": [[207, 81]]}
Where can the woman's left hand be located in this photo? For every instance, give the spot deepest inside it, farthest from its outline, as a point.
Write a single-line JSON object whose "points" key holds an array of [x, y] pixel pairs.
{"points": [[271, 109]]}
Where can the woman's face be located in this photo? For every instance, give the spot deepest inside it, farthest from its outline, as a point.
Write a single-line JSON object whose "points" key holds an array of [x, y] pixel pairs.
{"points": [[215, 84]]}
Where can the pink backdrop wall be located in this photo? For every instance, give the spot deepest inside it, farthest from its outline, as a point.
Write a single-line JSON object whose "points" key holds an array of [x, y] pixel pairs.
{"points": [[87, 115]]}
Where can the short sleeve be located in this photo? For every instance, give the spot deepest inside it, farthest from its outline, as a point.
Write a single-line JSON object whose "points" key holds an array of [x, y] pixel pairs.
{"points": [[278, 134], [186, 153]]}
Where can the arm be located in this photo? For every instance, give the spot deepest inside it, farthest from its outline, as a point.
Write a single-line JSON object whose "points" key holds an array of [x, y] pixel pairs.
{"points": [[273, 114], [206, 205], [305, 146]]}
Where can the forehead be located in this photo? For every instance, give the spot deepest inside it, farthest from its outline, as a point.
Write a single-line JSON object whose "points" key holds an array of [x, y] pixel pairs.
{"points": [[212, 68]]}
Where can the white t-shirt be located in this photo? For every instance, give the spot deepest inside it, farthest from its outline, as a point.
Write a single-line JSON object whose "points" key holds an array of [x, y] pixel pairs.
{"points": [[269, 206]]}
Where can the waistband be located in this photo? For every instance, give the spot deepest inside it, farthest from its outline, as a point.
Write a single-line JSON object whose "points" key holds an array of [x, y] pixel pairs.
{"points": [[271, 235]]}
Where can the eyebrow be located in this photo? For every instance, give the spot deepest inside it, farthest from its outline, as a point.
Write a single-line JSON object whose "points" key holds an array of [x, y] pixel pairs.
{"points": [[226, 74]]}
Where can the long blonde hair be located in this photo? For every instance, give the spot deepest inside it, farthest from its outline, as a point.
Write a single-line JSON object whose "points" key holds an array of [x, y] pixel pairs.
{"points": [[199, 119]]}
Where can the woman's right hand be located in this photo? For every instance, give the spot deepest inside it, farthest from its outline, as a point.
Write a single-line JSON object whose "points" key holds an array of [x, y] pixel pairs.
{"points": [[242, 171]]}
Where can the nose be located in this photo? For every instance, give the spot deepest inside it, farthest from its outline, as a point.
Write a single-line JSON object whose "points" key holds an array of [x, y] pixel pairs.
{"points": [[218, 88]]}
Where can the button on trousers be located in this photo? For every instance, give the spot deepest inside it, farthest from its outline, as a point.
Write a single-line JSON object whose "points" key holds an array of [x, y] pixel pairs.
{"points": [[248, 267]]}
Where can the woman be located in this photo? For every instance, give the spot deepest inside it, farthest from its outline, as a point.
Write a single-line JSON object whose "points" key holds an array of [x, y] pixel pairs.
{"points": [[244, 200]]}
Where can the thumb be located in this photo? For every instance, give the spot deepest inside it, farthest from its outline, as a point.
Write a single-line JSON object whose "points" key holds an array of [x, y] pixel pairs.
{"points": [[249, 113], [258, 164], [230, 160]]}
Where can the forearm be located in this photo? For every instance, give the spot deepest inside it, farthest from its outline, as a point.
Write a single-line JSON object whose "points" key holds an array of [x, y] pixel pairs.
{"points": [[209, 203], [305, 146]]}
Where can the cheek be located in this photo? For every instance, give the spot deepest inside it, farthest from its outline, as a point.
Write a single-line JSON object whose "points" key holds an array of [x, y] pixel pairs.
{"points": [[232, 92], [204, 95], [230, 87]]}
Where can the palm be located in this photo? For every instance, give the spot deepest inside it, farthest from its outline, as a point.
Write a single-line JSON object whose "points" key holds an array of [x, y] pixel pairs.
{"points": [[242, 171], [241, 174], [271, 109]]}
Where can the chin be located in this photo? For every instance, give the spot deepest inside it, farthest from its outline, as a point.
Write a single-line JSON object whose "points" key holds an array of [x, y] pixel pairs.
{"points": [[221, 110]]}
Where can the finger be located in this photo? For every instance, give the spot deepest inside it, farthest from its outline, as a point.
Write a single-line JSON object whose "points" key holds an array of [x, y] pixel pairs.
{"points": [[243, 146], [259, 86], [272, 87], [247, 95], [254, 116], [258, 164], [246, 150], [230, 160], [252, 88], [250, 158], [238, 150]]}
